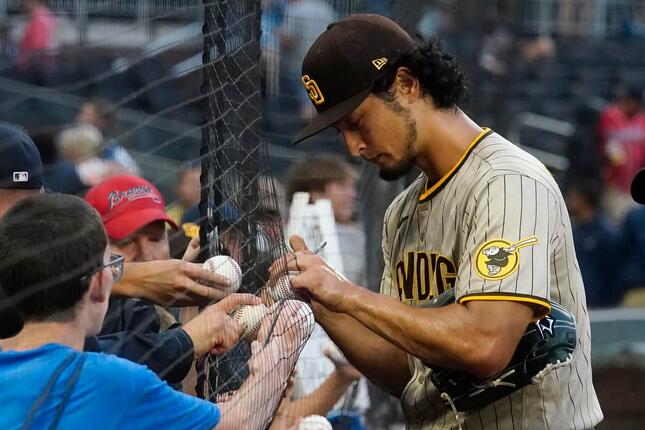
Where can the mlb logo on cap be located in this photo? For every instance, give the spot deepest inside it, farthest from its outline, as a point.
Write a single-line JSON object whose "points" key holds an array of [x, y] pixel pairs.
{"points": [[21, 176]]}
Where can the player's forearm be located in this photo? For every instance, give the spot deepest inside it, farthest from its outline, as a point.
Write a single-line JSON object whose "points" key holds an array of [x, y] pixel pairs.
{"points": [[379, 360], [449, 336]]}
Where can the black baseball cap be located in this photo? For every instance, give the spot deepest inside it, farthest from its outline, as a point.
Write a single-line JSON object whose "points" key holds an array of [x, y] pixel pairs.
{"points": [[343, 64], [20, 164], [638, 187]]}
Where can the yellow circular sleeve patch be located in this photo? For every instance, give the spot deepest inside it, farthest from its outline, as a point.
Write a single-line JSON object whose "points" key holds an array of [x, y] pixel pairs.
{"points": [[499, 258]]}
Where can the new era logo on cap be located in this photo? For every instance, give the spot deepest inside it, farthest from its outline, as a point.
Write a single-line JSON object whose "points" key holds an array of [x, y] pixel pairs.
{"points": [[21, 176], [379, 63]]}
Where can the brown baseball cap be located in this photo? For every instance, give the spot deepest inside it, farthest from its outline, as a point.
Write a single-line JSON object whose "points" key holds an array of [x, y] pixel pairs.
{"points": [[343, 64]]}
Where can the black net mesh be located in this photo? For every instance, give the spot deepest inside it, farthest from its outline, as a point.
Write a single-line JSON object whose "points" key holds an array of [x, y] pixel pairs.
{"points": [[239, 211]]}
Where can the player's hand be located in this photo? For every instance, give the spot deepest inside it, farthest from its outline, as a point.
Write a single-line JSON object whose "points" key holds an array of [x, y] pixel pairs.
{"points": [[171, 283], [213, 330], [317, 279]]}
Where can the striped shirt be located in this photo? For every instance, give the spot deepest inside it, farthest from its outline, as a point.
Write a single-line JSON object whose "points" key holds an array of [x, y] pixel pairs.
{"points": [[495, 227]]}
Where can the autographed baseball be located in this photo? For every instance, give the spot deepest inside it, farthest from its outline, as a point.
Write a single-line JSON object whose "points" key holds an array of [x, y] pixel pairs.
{"points": [[225, 266], [249, 317]]}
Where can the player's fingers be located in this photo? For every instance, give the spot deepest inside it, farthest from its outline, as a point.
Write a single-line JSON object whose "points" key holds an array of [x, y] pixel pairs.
{"points": [[298, 244], [279, 265], [234, 300], [199, 274], [300, 262], [300, 282]]}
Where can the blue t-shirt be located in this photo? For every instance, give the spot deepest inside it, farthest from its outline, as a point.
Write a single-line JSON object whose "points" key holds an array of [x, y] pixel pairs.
{"points": [[110, 393]]}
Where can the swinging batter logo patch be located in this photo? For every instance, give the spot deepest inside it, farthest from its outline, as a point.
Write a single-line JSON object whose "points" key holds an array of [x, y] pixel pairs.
{"points": [[498, 258]]}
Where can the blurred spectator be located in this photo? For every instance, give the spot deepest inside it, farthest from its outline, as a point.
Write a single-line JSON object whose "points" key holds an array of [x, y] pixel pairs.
{"points": [[632, 240], [267, 215], [272, 212], [304, 21], [436, 19], [585, 162], [133, 212], [38, 36], [82, 145], [596, 244], [621, 143], [188, 192], [508, 59], [574, 15], [100, 114], [333, 179]]}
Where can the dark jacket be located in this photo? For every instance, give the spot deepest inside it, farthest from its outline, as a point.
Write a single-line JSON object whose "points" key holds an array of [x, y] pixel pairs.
{"points": [[131, 331]]}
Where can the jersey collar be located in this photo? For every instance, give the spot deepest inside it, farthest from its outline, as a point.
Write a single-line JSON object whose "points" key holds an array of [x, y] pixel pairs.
{"points": [[430, 191]]}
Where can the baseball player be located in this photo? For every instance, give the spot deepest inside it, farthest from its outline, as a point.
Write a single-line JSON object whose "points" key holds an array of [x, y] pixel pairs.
{"points": [[483, 219]]}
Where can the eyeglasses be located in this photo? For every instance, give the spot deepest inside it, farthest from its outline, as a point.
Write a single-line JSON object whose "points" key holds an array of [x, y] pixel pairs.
{"points": [[115, 264]]}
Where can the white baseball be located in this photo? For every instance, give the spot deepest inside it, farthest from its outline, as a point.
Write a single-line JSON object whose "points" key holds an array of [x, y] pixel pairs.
{"points": [[301, 315], [282, 289], [314, 422], [249, 317], [225, 266]]}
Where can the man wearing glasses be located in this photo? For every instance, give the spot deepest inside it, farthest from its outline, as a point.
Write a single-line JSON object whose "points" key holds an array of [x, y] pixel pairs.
{"points": [[56, 271], [169, 353], [135, 219]]}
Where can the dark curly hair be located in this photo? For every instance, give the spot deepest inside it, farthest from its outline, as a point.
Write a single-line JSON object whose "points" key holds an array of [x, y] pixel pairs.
{"points": [[438, 72]]}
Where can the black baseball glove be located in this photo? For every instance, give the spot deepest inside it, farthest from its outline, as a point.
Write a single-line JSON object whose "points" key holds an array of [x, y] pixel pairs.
{"points": [[546, 343]]}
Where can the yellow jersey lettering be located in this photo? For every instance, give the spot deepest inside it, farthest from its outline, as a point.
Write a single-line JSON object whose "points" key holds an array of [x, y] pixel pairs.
{"points": [[420, 276]]}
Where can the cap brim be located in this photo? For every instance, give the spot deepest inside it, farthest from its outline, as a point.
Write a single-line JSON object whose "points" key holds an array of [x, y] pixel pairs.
{"points": [[331, 116], [126, 224], [638, 187]]}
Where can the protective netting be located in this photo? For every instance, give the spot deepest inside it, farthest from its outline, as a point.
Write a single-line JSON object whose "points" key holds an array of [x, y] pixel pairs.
{"points": [[239, 211]]}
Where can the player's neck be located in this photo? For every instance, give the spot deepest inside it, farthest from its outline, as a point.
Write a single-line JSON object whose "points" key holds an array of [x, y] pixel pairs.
{"points": [[444, 137], [36, 334]]}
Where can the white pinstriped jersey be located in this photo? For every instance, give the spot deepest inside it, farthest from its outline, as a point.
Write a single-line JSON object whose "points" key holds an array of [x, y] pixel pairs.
{"points": [[494, 227]]}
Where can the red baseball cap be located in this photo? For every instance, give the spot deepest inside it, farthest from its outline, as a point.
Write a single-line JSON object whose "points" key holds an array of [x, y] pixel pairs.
{"points": [[127, 203]]}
